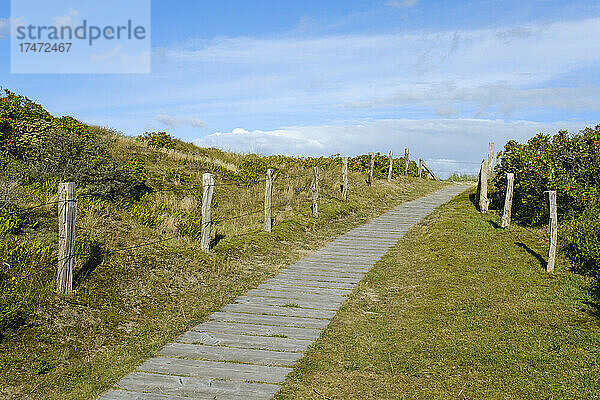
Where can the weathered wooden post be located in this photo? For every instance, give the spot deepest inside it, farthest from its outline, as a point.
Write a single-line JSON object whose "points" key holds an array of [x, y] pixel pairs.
{"points": [[345, 178], [371, 167], [510, 178], [406, 161], [491, 154], [391, 157], [67, 213], [268, 196], [314, 188], [429, 170], [483, 184], [420, 167], [208, 185], [553, 231]]}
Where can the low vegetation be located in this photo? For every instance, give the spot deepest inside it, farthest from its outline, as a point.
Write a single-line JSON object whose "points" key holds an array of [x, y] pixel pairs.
{"points": [[569, 164], [459, 309], [140, 277]]}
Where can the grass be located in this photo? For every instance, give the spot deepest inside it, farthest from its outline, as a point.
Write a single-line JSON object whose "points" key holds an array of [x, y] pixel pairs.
{"points": [[459, 309], [128, 305]]}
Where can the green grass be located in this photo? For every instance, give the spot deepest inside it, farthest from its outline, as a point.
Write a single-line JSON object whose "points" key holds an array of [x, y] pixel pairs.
{"points": [[128, 305], [459, 309]]}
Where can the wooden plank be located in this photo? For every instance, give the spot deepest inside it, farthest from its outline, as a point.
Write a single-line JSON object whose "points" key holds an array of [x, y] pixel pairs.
{"points": [[222, 353], [258, 329], [215, 369], [294, 311], [406, 161], [244, 341], [67, 214], [321, 278], [325, 268], [196, 387], [278, 301], [292, 297], [301, 282], [131, 395], [303, 289], [510, 178]]}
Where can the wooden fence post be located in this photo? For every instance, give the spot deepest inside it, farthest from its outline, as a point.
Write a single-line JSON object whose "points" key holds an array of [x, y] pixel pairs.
{"points": [[420, 167], [483, 184], [429, 170], [510, 178], [491, 153], [208, 185], [391, 157], [268, 196], [67, 213], [406, 161], [371, 166], [345, 178], [553, 231], [314, 188]]}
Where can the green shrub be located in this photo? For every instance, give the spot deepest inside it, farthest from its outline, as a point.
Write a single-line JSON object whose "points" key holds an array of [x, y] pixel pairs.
{"points": [[582, 238], [177, 176], [158, 140], [36, 147], [381, 166], [569, 164]]}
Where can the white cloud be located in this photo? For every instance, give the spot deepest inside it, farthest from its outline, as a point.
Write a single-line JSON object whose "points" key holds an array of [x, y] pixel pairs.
{"points": [[175, 122], [494, 99], [495, 71], [402, 3], [8, 24], [449, 145], [69, 19], [119, 60]]}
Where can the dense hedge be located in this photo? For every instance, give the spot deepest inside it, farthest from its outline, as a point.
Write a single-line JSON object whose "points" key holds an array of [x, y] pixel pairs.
{"points": [[569, 164]]}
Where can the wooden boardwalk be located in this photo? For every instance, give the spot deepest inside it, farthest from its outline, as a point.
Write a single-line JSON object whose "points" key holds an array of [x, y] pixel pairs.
{"points": [[246, 350]]}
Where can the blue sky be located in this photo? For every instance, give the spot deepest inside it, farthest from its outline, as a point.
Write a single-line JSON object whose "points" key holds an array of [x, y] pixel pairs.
{"points": [[322, 77]]}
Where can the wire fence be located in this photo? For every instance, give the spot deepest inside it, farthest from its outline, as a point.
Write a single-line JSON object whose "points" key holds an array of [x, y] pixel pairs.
{"points": [[213, 221], [277, 177]]}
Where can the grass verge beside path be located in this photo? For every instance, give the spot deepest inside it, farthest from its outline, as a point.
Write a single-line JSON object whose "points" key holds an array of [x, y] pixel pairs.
{"points": [[458, 309]]}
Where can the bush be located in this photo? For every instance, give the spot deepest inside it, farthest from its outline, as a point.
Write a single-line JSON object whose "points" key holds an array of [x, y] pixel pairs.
{"points": [[381, 166], [36, 147], [582, 238], [158, 140], [569, 164]]}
